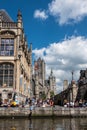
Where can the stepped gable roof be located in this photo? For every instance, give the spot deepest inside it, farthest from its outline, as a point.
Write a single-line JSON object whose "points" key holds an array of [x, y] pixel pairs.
{"points": [[4, 16]]}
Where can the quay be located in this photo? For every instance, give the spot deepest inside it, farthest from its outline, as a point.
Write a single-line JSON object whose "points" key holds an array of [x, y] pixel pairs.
{"points": [[57, 111]]}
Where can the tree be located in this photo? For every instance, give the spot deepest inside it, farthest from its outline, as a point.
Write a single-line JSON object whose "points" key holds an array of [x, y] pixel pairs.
{"points": [[51, 94]]}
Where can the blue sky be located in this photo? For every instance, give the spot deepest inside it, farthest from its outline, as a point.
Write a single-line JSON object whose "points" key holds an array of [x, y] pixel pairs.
{"points": [[57, 30]]}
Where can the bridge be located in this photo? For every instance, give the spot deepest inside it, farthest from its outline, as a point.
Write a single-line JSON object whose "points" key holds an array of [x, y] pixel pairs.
{"points": [[75, 91]]}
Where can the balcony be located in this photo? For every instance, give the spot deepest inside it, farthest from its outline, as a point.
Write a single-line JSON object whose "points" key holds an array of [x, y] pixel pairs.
{"points": [[9, 25]]}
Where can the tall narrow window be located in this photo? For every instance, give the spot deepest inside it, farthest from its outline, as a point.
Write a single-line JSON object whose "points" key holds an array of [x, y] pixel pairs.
{"points": [[7, 47], [6, 75]]}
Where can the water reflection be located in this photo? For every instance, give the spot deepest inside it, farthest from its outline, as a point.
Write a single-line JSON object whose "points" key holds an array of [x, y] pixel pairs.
{"points": [[44, 124]]}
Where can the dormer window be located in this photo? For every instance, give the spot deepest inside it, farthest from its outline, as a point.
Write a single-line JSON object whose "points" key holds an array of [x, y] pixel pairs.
{"points": [[7, 47]]}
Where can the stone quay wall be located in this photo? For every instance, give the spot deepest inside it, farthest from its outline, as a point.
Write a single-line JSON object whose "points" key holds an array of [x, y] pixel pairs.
{"points": [[42, 112]]}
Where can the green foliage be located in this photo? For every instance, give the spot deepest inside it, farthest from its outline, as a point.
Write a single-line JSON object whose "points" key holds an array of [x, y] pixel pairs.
{"points": [[51, 93], [43, 96]]}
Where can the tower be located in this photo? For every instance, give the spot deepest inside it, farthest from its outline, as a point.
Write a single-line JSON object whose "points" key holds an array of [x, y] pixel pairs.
{"points": [[52, 82], [39, 69], [65, 84]]}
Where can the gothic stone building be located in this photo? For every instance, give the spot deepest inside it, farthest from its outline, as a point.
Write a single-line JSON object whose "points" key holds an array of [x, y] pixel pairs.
{"points": [[82, 85], [40, 84], [74, 91], [68, 94], [15, 59]]}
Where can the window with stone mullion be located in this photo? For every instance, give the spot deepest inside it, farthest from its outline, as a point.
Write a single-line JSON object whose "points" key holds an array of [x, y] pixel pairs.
{"points": [[6, 75], [7, 47]]}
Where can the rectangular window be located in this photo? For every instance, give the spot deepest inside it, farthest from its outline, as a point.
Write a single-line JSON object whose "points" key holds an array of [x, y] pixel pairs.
{"points": [[7, 47], [6, 75]]}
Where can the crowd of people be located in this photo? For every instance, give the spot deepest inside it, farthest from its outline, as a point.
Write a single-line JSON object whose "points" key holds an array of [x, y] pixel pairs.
{"points": [[33, 102], [28, 102], [80, 103]]}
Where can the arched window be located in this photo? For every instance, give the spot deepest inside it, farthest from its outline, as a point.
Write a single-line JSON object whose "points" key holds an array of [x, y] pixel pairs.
{"points": [[7, 47], [6, 75]]}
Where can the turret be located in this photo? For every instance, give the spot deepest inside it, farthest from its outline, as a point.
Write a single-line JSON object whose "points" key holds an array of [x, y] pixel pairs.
{"points": [[51, 74], [0, 17], [19, 19], [20, 32], [30, 47], [65, 84], [0, 20], [52, 80]]}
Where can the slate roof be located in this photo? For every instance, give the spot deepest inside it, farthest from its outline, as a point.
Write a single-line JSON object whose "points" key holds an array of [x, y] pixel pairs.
{"points": [[5, 16]]}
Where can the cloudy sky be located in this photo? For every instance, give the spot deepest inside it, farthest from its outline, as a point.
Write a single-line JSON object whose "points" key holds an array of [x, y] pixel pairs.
{"points": [[58, 32]]}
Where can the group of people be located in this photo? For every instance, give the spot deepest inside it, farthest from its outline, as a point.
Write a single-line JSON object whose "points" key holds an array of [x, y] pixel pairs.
{"points": [[33, 102], [80, 103]]}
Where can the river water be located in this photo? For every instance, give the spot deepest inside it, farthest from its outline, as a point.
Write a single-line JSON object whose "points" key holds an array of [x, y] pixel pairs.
{"points": [[44, 124]]}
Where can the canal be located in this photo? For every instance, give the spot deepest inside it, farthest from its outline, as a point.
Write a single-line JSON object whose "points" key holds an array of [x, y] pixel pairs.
{"points": [[44, 124]]}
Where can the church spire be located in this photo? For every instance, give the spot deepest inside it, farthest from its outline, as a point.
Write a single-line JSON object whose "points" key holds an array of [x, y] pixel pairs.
{"points": [[51, 74], [19, 15]]}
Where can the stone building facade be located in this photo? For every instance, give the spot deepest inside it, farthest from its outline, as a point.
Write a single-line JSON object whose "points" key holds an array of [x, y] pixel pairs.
{"points": [[15, 59], [65, 84], [82, 85], [75, 91], [40, 84], [68, 94]]}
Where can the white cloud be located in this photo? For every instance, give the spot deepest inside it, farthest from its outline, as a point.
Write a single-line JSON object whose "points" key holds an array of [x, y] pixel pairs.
{"points": [[39, 53], [40, 14], [68, 11], [65, 11], [63, 57]]}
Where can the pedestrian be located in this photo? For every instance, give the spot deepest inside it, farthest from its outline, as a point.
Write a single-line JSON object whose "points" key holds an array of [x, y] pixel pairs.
{"points": [[30, 108]]}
